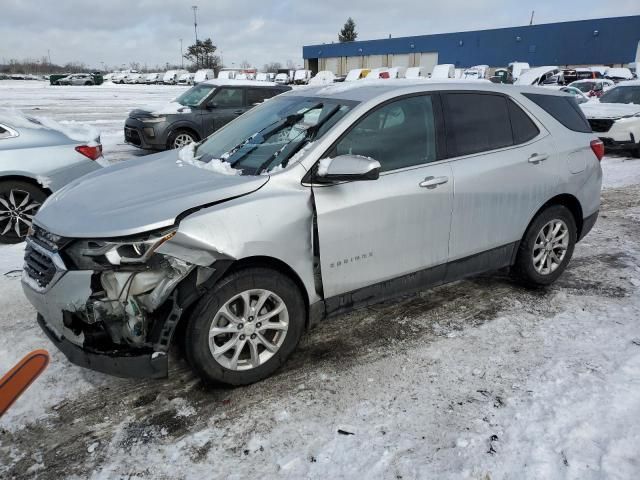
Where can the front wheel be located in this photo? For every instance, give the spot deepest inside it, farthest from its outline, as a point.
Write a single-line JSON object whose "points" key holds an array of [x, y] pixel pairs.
{"points": [[19, 202], [246, 327], [547, 247], [181, 138]]}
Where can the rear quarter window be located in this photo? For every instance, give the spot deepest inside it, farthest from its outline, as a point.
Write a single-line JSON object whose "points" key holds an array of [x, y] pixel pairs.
{"points": [[564, 109]]}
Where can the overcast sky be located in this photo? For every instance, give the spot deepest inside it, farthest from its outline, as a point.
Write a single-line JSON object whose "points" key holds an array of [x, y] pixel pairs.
{"points": [[148, 31]]}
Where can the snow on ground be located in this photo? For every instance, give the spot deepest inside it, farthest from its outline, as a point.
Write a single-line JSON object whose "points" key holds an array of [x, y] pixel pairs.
{"points": [[479, 379]]}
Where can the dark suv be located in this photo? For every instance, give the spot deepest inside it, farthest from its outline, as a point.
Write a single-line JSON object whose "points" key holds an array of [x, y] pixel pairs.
{"points": [[196, 114]]}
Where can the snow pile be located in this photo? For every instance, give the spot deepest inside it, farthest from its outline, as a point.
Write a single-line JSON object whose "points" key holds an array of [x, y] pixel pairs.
{"points": [[73, 130], [186, 156], [323, 166]]}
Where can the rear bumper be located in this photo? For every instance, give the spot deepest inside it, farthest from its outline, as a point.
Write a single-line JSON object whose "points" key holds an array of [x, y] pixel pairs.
{"points": [[128, 364]]}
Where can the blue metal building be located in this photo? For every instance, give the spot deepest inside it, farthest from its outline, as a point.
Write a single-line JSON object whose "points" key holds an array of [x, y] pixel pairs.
{"points": [[603, 41]]}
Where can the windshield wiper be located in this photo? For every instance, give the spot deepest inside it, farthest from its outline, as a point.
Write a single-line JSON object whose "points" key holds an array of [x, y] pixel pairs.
{"points": [[276, 127], [309, 134]]}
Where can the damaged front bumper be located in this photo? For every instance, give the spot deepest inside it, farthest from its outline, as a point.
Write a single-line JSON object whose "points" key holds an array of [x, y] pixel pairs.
{"points": [[99, 324], [130, 363]]}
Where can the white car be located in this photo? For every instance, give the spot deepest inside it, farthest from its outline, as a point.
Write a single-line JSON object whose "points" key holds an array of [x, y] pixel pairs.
{"points": [[476, 73], [593, 87], [185, 79], [282, 78], [518, 68], [414, 72], [132, 78], [203, 75], [443, 72], [616, 117], [537, 75], [302, 77], [618, 74], [171, 77], [323, 77], [152, 78]]}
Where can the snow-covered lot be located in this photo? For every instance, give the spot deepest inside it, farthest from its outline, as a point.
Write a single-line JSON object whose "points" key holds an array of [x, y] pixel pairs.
{"points": [[479, 379]]}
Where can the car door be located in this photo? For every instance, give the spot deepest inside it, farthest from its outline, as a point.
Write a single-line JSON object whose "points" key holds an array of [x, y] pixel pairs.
{"points": [[373, 231], [226, 104], [504, 169]]}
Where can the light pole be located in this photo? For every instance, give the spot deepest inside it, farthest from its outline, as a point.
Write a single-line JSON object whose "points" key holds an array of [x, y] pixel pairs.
{"points": [[181, 57], [195, 29]]}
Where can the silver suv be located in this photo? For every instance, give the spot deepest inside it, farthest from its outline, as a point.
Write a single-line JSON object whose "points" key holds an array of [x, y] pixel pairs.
{"points": [[317, 202]]}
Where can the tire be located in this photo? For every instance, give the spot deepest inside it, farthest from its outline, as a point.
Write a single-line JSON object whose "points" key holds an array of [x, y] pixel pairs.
{"points": [[227, 295], [88, 83], [180, 138], [635, 153], [19, 202], [532, 247]]}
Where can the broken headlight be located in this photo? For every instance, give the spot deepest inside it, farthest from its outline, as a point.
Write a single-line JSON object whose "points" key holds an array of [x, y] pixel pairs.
{"points": [[88, 254]]}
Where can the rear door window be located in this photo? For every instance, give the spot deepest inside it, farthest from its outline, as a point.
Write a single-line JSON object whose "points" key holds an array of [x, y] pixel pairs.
{"points": [[258, 95], [476, 122], [228, 98], [563, 108]]}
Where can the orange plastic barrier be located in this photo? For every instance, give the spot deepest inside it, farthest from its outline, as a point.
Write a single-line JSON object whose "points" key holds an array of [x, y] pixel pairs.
{"points": [[20, 377]]}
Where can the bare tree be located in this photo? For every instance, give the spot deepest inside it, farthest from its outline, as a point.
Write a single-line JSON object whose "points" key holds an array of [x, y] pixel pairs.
{"points": [[272, 67], [245, 65]]}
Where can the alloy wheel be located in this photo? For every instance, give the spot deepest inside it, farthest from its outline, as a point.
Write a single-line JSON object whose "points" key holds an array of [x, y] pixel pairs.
{"points": [[550, 247], [182, 140], [17, 210], [248, 329]]}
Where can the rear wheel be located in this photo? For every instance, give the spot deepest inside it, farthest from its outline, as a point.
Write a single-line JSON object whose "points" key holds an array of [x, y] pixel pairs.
{"points": [[181, 138], [19, 202], [547, 247], [246, 327]]}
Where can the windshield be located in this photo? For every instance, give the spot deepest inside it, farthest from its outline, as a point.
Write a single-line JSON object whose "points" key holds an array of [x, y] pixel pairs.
{"points": [[194, 96], [622, 94], [269, 135]]}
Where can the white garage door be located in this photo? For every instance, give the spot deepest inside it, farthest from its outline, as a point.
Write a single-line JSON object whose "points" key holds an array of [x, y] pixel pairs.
{"points": [[374, 61], [332, 64], [399, 60], [428, 61], [354, 62]]}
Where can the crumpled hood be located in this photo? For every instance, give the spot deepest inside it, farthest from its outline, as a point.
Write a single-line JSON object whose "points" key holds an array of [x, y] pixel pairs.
{"points": [[609, 110], [137, 196]]}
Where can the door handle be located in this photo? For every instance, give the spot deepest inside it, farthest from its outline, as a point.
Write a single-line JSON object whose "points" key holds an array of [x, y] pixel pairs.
{"points": [[239, 112], [537, 158], [433, 182]]}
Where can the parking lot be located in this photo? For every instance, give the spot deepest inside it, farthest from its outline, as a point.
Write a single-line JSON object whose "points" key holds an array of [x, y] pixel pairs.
{"points": [[477, 379]]}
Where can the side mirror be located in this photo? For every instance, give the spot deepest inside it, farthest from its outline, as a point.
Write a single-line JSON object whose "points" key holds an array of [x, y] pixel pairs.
{"points": [[211, 106], [347, 168]]}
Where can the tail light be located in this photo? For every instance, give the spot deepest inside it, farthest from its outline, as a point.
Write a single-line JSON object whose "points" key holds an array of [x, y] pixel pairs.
{"points": [[93, 152], [598, 148]]}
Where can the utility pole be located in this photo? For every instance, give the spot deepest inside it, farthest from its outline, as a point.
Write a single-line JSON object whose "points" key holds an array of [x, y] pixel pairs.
{"points": [[181, 56], [533, 12], [49, 55], [195, 20], [195, 29]]}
